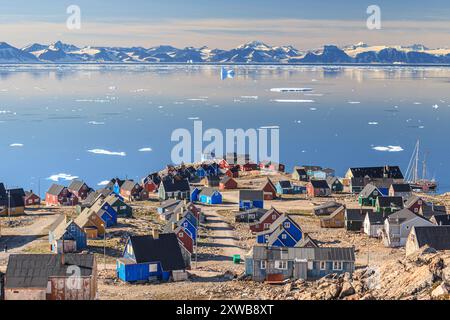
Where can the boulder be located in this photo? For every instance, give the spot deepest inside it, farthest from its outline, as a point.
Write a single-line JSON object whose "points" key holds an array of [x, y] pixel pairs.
{"points": [[347, 290], [440, 291], [332, 292]]}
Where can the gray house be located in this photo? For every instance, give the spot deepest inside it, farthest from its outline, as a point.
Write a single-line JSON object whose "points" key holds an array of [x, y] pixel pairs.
{"points": [[277, 264]]}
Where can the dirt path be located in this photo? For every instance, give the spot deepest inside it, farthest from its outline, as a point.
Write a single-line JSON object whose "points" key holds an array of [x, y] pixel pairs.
{"points": [[18, 239]]}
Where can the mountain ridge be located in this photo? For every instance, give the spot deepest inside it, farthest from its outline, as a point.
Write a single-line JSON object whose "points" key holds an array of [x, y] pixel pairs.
{"points": [[251, 52]]}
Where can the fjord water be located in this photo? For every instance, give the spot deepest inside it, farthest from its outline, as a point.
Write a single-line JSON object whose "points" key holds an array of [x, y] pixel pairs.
{"points": [[50, 116]]}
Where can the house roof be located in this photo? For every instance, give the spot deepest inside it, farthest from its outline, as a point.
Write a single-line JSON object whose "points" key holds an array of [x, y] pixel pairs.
{"points": [[442, 219], [403, 216], [393, 172], [285, 184], [33, 270], [172, 185], [76, 185], [257, 211], [321, 184], [55, 189], [164, 249], [334, 254], [270, 183], [328, 204], [128, 185], [300, 171], [375, 218], [226, 179], [357, 214], [412, 200], [332, 180], [169, 203], [267, 214], [251, 195], [209, 192], [437, 237], [12, 198], [401, 187], [386, 202], [368, 190]]}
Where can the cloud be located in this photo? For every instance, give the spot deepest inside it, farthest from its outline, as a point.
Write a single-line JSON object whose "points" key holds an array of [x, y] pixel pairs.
{"points": [[62, 176], [103, 183], [107, 152], [388, 148], [16, 145], [146, 149]]}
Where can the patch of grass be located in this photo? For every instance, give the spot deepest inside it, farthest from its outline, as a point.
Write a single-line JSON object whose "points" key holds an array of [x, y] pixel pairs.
{"points": [[38, 248]]}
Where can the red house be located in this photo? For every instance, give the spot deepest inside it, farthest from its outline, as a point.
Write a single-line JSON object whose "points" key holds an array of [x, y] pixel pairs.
{"points": [[227, 183], [270, 191], [185, 239], [150, 186], [223, 164], [31, 199], [249, 166], [414, 204], [265, 221], [272, 166], [318, 188], [79, 189], [59, 195]]}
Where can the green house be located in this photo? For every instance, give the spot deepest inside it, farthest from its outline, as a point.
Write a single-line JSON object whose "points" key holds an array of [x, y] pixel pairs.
{"points": [[122, 208], [388, 205], [369, 195]]}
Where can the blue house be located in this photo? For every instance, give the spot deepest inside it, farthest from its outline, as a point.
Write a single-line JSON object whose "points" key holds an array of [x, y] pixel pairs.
{"points": [[195, 192], [189, 224], [249, 199], [67, 234], [284, 187], [201, 172], [105, 211], [147, 258], [210, 196], [284, 232]]}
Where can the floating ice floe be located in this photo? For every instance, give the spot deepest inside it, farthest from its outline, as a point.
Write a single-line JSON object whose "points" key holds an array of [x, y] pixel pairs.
{"points": [[197, 99], [93, 100], [291, 89], [388, 148], [269, 127], [354, 102], [193, 118], [146, 149], [313, 109], [107, 152], [96, 123], [250, 97], [435, 106], [417, 102], [373, 123], [139, 90], [293, 101], [16, 145], [103, 183], [62, 176]]}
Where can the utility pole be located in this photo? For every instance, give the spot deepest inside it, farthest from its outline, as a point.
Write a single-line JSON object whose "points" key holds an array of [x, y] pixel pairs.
{"points": [[104, 247]]}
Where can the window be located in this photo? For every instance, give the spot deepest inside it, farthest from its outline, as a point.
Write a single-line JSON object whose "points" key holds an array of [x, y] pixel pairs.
{"points": [[153, 267], [287, 225], [181, 234], [337, 265], [323, 265], [310, 265], [281, 265], [263, 264], [274, 217], [416, 210], [266, 225], [284, 236], [49, 287], [123, 207], [251, 216]]}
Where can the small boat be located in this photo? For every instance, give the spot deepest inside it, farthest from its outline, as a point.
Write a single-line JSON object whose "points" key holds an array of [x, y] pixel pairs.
{"points": [[419, 183]]}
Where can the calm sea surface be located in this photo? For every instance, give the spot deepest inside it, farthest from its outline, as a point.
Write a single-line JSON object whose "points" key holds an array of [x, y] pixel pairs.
{"points": [[98, 122]]}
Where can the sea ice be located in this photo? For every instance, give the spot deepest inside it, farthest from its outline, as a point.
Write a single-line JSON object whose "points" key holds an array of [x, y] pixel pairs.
{"points": [[293, 101], [291, 89]]}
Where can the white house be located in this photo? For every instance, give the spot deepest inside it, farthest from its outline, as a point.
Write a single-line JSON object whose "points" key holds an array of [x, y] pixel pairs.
{"points": [[373, 224], [398, 226]]}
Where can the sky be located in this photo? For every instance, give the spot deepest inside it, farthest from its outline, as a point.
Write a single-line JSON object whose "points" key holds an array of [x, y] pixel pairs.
{"points": [[225, 24]]}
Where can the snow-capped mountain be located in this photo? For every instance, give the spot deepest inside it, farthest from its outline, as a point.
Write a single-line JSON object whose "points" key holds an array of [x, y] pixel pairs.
{"points": [[251, 52]]}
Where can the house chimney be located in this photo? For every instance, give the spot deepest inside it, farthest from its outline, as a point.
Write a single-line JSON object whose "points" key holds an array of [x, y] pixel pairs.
{"points": [[174, 226], [155, 233], [178, 216]]}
